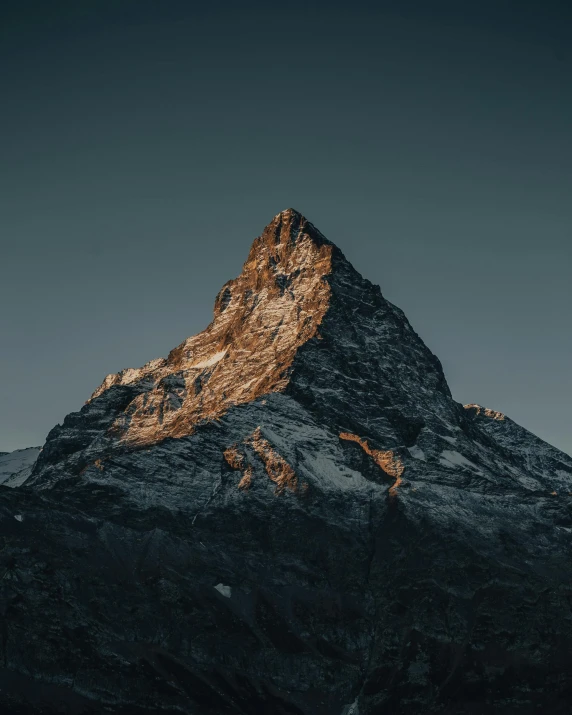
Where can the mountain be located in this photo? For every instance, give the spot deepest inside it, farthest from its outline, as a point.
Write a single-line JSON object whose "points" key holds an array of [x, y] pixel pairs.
{"points": [[16, 466], [289, 514]]}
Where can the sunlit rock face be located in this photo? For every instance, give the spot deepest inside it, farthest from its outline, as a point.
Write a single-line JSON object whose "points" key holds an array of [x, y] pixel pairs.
{"points": [[289, 514], [261, 319]]}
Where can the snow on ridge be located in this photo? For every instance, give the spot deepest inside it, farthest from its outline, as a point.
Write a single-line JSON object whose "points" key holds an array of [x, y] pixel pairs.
{"points": [[208, 362], [450, 457], [16, 466]]}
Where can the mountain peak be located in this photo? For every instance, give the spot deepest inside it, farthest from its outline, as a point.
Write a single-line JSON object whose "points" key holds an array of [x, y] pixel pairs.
{"points": [[261, 318], [287, 227], [289, 212], [358, 539], [296, 290]]}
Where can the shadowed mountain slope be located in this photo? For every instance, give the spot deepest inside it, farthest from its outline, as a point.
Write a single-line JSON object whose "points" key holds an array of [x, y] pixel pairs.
{"points": [[289, 514]]}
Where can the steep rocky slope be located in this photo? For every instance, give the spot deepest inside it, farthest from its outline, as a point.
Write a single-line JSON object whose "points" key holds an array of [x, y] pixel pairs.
{"points": [[289, 514], [16, 466]]}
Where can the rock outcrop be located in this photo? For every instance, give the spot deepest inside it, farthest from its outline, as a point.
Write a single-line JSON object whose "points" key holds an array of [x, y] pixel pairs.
{"points": [[289, 514]]}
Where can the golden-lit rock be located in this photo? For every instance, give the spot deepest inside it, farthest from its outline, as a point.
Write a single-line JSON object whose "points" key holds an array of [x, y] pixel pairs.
{"points": [[485, 411], [276, 467], [385, 459], [260, 320]]}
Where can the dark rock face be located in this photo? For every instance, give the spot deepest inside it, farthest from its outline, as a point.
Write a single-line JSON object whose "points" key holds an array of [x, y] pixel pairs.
{"points": [[342, 539]]}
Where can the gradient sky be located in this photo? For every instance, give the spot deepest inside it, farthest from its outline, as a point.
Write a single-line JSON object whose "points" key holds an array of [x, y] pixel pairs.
{"points": [[144, 145]]}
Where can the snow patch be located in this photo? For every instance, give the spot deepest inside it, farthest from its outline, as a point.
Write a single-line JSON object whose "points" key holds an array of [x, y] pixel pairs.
{"points": [[329, 474], [19, 517], [417, 453], [351, 709], [225, 591], [217, 357], [16, 467], [451, 457]]}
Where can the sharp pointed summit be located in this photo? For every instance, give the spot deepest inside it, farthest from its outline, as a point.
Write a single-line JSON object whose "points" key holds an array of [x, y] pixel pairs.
{"points": [[260, 320], [296, 295], [290, 514]]}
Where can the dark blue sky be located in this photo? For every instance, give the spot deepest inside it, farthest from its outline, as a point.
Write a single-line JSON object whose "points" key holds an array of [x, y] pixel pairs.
{"points": [[145, 144]]}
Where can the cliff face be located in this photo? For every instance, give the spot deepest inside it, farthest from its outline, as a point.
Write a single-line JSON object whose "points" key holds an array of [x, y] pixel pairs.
{"points": [[289, 514], [261, 319]]}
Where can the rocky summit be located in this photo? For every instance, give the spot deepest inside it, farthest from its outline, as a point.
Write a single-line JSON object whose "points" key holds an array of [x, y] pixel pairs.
{"points": [[289, 515]]}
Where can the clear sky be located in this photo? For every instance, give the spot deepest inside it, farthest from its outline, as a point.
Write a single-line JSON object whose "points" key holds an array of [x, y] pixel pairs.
{"points": [[144, 145]]}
